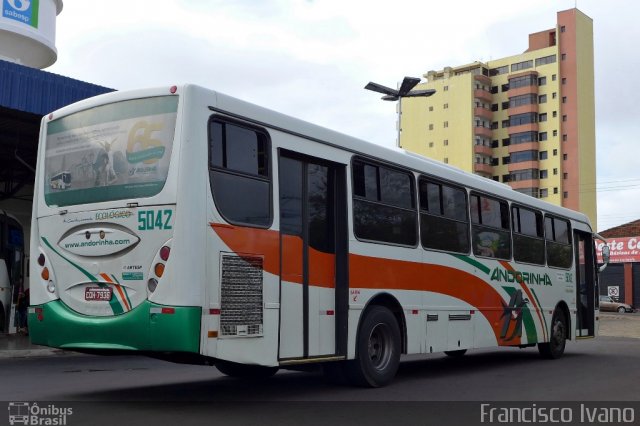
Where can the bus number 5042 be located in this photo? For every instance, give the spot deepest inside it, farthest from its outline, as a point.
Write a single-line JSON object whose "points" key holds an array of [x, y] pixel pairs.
{"points": [[154, 219]]}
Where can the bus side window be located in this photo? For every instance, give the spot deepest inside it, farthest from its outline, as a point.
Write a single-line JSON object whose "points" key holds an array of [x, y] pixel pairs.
{"points": [[239, 173], [528, 235], [384, 204], [444, 221], [490, 234], [558, 236]]}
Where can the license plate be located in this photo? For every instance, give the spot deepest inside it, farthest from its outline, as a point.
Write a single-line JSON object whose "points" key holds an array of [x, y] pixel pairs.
{"points": [[98, 294]]}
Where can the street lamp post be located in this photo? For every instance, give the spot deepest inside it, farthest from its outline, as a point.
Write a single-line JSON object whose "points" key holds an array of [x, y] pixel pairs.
{"points": [[404, 91]]}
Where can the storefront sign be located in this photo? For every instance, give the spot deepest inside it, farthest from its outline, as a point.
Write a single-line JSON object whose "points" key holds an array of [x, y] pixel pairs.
{"points": [[623, 250]]}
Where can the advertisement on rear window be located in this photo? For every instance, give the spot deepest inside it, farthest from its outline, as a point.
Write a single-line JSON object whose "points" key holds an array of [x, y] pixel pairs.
{"points": [[111, 152]]}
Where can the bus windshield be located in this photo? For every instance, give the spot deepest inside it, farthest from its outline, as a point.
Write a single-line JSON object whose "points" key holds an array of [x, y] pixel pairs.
{"points": [[110, 152]]}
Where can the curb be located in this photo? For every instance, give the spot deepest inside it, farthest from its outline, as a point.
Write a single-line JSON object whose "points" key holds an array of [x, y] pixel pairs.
{"points": [[32, 353]]}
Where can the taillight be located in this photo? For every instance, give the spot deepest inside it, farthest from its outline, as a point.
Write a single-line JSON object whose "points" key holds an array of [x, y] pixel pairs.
{"points": [[45, 274], [165, 251], [158, 267]]}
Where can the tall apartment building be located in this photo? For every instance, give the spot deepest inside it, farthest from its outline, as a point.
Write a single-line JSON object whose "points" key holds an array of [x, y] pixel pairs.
{"points": [[526, 120]]}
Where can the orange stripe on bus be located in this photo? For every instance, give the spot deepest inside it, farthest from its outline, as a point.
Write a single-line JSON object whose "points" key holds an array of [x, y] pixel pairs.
{"points": [[118, 289], [368, 272], [380, 273]]}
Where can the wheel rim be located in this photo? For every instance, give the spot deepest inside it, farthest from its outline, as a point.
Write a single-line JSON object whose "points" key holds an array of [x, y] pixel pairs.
{"points": [[621, 310], [558, 334], [380, 346]]}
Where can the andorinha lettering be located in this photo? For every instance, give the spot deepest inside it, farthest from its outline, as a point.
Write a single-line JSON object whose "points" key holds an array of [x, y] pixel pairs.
{"points": [[504, 275]]}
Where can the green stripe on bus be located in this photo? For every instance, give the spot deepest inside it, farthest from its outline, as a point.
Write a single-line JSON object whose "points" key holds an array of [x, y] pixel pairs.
{"points": [[115, 305], [70, 197], [544, 321], [126, 293], [473, 262], [527, 319]]}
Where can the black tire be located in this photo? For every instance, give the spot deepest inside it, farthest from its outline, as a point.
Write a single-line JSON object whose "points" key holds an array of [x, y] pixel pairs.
{"points": [[621, 310], [554, 349], [377, 349], [245, 371], [456, 354]]}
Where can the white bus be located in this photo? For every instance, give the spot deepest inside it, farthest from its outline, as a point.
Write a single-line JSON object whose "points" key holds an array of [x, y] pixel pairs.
{"points": [[247, 239], [60, 180]]}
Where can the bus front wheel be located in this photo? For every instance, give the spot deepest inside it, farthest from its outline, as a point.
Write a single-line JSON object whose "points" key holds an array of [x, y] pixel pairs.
{"points": [[377, 349], [554, 349], [244, 371]]}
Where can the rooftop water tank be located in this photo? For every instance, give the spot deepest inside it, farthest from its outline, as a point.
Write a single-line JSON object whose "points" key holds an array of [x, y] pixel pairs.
{"points": [[28, 31]]}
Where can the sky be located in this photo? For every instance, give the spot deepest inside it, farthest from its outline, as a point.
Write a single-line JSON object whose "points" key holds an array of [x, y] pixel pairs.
{"points": [[312, 58]]}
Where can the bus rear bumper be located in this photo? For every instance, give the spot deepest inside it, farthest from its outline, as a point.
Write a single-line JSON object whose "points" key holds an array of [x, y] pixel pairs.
{"points": [[149, 327]]}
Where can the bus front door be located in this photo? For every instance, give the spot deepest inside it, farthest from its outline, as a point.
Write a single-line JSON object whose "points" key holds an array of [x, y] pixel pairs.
{"points": [[313, 252], [586, 285]]}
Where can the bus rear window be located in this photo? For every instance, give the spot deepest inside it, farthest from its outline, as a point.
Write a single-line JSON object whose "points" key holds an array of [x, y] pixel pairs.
{"points": [[110, 152]]}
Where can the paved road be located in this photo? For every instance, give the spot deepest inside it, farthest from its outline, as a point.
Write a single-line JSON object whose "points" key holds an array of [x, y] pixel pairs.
{"points": [[127, 388], [604, 369]]}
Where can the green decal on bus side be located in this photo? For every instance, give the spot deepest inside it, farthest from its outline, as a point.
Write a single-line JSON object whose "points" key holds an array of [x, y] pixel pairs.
{"points": [[132, 276], [472, 262], [527, 319]]}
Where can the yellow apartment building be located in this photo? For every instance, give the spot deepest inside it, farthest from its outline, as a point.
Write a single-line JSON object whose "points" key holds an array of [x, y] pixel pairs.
{"points": [[527, 120]]}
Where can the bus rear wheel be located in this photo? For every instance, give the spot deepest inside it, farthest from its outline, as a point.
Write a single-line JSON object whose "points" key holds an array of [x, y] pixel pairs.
{"points": [[244, 371], [554, 349], [377, 349]]}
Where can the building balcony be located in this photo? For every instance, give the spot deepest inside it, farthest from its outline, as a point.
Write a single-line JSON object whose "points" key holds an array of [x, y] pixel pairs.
{"points": [[526, 90], [483, 168], [483, 113], [483, 131], [530, 72], [482, 94], [521, 184], [524, 165], [531, 127], [482, 79], [483, 150], [526, 146], [522, 109]]}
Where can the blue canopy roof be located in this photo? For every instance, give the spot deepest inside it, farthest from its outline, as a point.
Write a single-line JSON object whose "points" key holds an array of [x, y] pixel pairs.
{"points": [[40, 92]]}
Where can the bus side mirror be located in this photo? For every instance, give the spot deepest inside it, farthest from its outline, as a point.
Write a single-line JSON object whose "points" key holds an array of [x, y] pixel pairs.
{"points": [[606, 256]]}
